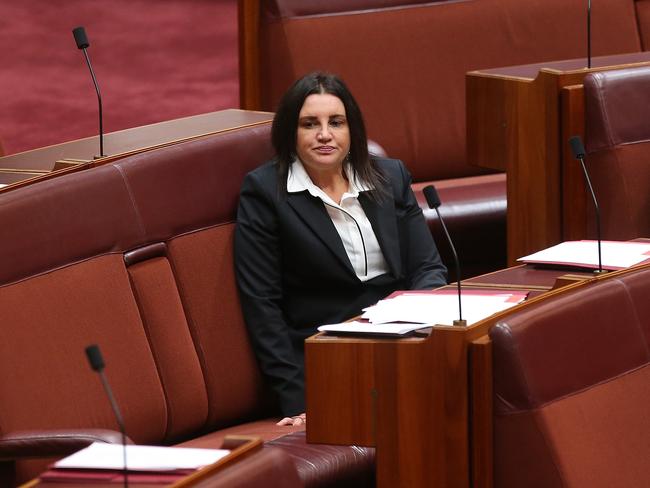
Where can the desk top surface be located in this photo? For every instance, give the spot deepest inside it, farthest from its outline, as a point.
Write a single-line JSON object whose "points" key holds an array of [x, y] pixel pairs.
{"points": [[530, 71], [134, 139]]}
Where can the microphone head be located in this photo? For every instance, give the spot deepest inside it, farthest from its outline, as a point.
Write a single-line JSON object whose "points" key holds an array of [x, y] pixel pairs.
{"points": [[577, 147], [431, 195], [80, 37], [95, 357]]}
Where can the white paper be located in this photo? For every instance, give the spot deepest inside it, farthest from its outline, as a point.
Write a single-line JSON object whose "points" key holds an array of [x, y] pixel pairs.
{"points": [[415, 310], [2, 185], [357, 327], [440, 309], [615, 254], [100, 455]]}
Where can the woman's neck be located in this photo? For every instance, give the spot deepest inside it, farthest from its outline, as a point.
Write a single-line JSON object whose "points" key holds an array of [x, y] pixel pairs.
{"points": [[333, 183]]}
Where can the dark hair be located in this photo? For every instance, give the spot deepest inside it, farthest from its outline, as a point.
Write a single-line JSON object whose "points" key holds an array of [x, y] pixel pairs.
{"points": [[285, 127]]}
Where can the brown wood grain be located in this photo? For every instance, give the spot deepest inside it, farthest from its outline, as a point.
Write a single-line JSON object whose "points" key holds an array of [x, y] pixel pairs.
{"points": [[575, 203], [249, 54], [343, 406], [120, 144], [481, 427]]}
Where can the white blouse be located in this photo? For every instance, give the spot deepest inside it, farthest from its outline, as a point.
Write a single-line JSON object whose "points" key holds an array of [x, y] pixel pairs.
{"points": [[354, 228]]}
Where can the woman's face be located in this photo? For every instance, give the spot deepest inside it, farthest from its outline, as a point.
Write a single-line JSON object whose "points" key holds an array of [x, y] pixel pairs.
{"points": [[323, 138]]}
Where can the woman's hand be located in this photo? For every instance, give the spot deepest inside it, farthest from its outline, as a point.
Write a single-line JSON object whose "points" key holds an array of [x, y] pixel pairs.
{"points": [[296, 420]]}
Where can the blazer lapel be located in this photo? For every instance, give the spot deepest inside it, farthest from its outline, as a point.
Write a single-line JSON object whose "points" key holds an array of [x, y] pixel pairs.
{"points": [[382, 218], [313, 213]]}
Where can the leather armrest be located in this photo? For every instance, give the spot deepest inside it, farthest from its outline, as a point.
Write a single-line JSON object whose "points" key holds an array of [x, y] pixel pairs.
{"points": [[52, 443]]}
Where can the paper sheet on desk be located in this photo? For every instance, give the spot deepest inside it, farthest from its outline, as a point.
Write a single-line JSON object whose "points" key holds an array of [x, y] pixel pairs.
{"points": [[100, 455], [440, 308], [411, 310], [356, 327], [615, 254]]}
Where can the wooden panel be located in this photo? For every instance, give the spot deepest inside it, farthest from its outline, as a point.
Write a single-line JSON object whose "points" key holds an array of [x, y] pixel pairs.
{"points": [[412, 393], [422, 432], [249, 54], [491, 115], [481, 427], [9, 177], [576, 207], [348, 380]]}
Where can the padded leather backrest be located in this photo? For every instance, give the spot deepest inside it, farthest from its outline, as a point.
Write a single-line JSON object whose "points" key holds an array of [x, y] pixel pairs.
{"points": [[618, 142], [537, 348], [570, 388], [406, 63], [187, 197], [615, 107]]}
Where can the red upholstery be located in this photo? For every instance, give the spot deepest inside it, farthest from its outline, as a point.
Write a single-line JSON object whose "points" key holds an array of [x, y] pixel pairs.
{"points": [[570, 386], [136, 256], [171, 344], [618, 142], [643, 19], [467, 201]]}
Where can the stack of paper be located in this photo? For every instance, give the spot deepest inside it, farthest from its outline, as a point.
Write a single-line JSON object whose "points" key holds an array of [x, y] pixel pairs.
{"points": [[411, 310], [146, 464], [584, 254]]}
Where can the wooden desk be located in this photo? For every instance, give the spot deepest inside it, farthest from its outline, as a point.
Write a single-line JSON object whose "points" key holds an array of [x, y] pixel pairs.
{"points": [[517, 122], [80, 154], [423, 402], [240, 446]]}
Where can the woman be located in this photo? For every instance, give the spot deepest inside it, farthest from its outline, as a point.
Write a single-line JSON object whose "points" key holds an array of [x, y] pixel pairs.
{"points": [[323, 230]]}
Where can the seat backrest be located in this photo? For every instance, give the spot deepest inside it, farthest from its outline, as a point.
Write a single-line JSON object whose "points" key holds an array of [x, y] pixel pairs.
{"points": [[406, 62], [187, 194], [135, 256], [617, 138], [570, 388]]}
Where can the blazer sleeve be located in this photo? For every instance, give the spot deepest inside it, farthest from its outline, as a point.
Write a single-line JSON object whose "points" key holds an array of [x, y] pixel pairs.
{"points": [[258, 267], [423, 267]]}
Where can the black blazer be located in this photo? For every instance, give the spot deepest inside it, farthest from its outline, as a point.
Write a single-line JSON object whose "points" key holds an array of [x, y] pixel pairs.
{"points": [[293, 272]]}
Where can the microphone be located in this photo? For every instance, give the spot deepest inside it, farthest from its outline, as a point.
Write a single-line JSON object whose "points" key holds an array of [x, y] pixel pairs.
{"points": [[433, 200], [97, 364], [579, 152], [81, 39], [588, 33]]}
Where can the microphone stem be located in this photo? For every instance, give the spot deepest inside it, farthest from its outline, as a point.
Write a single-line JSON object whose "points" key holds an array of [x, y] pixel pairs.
{"points": [[120, 422], [453, 251], [99, 99], [593, 197]]}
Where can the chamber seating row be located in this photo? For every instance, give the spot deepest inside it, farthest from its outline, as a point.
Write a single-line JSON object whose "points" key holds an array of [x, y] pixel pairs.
{"points": [[136, 256], [571, 378], [406, 61]]}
